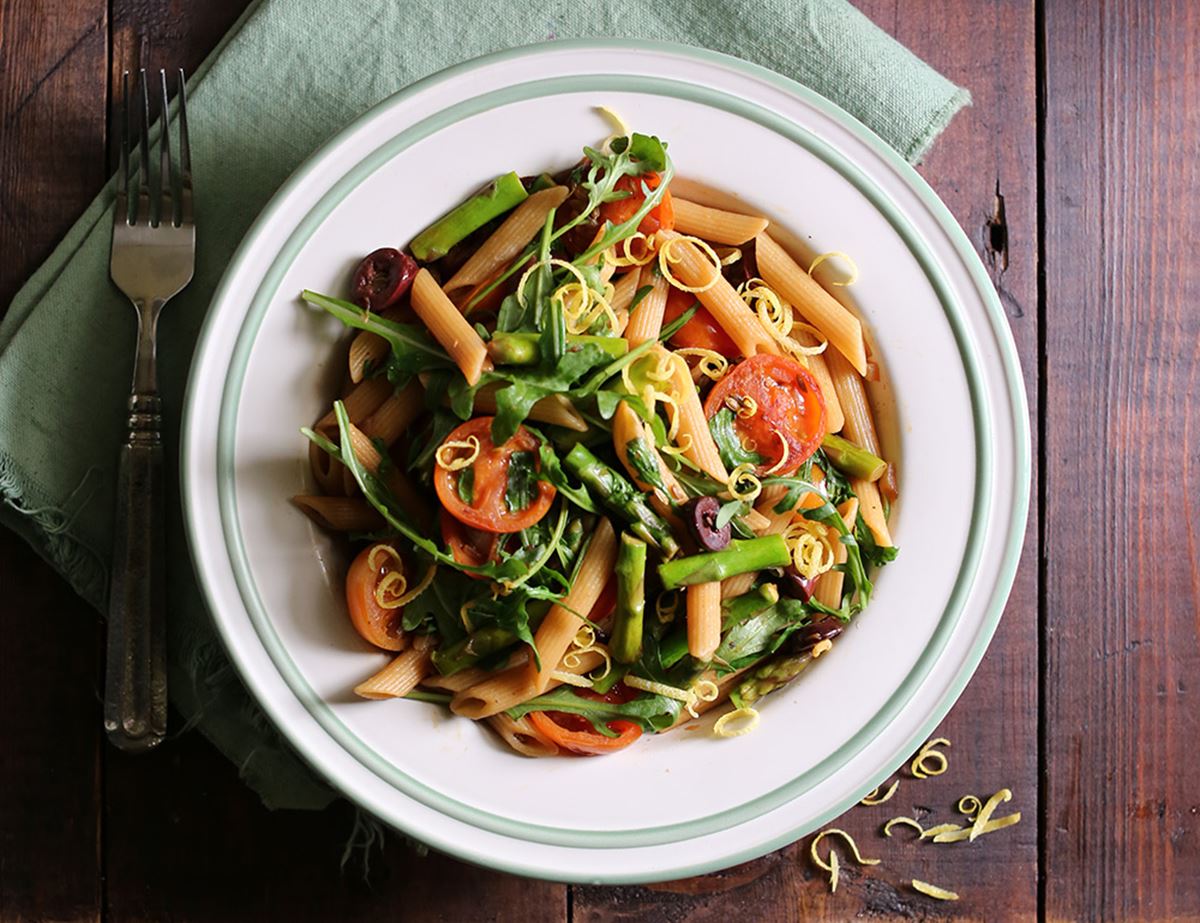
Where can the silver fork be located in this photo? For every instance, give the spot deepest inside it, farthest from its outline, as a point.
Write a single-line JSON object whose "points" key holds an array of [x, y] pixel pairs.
{"points": [[153, 255]]}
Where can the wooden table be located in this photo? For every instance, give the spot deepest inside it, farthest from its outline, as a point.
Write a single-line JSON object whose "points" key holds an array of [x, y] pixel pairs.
{"points": [[1074, 174]]}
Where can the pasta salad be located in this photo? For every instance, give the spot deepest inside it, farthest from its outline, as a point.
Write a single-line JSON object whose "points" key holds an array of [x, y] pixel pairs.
{"points": [[605, 457]]}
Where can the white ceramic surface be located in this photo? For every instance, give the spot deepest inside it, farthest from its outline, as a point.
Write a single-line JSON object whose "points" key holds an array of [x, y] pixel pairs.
{"points": [[267, 366]]}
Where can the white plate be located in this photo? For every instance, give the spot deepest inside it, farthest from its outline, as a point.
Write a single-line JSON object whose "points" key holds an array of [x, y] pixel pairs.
{"points": [[683, 803]]}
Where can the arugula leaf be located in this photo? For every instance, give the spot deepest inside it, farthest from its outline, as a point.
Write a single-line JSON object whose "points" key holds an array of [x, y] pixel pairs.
{"points": [[466, 485], [872, 553], [761, 634], [729, 510], [412, 348], [522, 481], [552, 471], [527, 387], [651, 712], [641, 293], [733, 453]]}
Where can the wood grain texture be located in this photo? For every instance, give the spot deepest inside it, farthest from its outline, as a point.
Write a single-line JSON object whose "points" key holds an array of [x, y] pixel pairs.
{"points": [[52, 92], [189, 842], [1122, 459], [989, 148]]}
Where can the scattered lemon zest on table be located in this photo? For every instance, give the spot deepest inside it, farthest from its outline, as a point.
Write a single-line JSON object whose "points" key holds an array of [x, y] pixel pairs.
{"points": [[873, 797], [969, 806], [919, 766], [832, 864], [904, 821], [934, 891]]}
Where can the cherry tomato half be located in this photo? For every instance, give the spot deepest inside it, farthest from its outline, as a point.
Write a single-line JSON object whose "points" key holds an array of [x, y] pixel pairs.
{"points": [[488, 509], [702, 331], [468, 546], [377, 624], [661, 217], [789, 405]]}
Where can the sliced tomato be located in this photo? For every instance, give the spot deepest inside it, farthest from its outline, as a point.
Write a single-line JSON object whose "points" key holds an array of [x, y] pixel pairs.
{"points": [[377, 624], [702, 331], [576, 734], [789, 406], [659, 218], [488, 509], [468, 546]]}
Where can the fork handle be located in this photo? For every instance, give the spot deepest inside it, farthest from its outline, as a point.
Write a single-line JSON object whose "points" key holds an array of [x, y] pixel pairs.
{"points": [[135, 686]]}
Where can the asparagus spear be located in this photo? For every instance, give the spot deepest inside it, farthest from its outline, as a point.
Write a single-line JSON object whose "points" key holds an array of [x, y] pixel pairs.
{"points": [[623, 499], [733, 612], [741, 557], [435, 241], [626, 642], [771, 675], [472, 649], [525, 348], [783, 668], [855, 461]]}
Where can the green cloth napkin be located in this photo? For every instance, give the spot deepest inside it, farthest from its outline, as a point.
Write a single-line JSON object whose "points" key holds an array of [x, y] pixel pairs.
{"points": [[290, 74]]}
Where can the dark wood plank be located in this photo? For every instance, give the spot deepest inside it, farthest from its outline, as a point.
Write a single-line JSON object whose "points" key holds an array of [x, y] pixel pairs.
{"points": [[52, 92], [1122, 461], [989, 147], [189, 842], [206, 849]]}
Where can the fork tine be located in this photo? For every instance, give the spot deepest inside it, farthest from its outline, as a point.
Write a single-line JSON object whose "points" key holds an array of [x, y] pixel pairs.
{"points": [[121, 208], [166, 179], [143, 209], [185, 156]]}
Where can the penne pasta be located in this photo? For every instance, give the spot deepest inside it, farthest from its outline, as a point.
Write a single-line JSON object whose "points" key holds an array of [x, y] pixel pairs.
{"points": [[340, 514], [554, 408], [714, 224], [362, 401], [398, 678], [692, 421], [512, 687], [522, 736], [627, 426], [449, 327], [393, 478], [827, 589], [623, 291], [472, 676], [722, 302], [561, 623], [872, 510], [368, 349], [704, 619], [859, 425], [834, 418], [327, 472], [841, 328], [508, 240], [396, 414], [645, 320]]}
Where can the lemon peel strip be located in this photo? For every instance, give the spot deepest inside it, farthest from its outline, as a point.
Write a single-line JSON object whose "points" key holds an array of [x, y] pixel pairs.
{"points": [[838, 254], [873, 797], [919, 766], [420, 588], [447, 461], [832, 865], [665, 260], [747, 716], [906, 822], [933, 891], [712, 364], [392, 582]]}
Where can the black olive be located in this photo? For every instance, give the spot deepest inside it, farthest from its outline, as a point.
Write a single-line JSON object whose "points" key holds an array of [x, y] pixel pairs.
{"points": [[825, 628], [793, 585], [701, 516]]}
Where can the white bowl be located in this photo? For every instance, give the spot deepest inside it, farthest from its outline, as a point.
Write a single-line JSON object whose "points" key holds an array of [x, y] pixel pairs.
{"points": [[682, 803]]}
